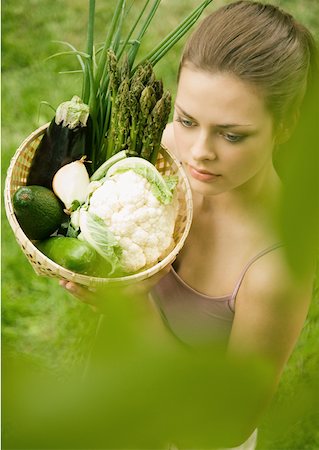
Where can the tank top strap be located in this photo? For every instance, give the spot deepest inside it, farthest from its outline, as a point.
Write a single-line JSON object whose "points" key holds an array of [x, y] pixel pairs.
{"points": [[250, 262]]}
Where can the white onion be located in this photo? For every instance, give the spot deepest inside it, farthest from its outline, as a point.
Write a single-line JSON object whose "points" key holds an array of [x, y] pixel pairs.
{"points": [[71, 182]]}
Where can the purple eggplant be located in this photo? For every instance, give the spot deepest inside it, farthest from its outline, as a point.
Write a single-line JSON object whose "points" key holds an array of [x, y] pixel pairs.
{"points": [[67, 138]]}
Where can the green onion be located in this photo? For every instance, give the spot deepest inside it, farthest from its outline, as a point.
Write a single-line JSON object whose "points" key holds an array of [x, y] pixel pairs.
{"points": [[172, 38], [90, 51]]}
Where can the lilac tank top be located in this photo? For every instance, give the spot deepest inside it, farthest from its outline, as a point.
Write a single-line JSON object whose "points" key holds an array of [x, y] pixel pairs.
{"points": [[197, 319]]}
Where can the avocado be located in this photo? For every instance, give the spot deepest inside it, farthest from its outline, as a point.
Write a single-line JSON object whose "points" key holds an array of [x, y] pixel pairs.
{"points": [[38, 211]]}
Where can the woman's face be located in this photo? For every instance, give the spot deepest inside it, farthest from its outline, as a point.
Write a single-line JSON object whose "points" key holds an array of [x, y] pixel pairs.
{"points": [[223, 132]]}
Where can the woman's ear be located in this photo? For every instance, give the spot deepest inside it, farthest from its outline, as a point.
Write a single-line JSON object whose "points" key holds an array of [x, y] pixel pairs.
{"points": [[283, 135], [286, 129]]}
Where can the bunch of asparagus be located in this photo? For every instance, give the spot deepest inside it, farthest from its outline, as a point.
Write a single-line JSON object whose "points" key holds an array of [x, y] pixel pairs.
{"points": [[139, 110]]}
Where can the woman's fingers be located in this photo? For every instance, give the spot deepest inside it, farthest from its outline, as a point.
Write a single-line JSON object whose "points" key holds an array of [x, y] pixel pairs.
{"points": [[81, 293], [93, 297]]}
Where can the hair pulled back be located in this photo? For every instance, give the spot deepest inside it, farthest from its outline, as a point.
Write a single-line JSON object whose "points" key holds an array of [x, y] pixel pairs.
{"points": [[260, 44]]}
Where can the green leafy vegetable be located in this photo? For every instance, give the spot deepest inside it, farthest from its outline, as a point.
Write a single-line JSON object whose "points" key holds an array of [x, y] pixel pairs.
{"points": [[101, 171], [97, 234], [171, 182]]}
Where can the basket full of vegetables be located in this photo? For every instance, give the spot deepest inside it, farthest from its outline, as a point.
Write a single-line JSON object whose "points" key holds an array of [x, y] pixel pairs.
{"points": [[93, 197]]}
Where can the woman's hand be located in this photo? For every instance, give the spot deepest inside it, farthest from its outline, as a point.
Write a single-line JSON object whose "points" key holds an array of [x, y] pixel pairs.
{"points": [[96, 296], [84, 294]]}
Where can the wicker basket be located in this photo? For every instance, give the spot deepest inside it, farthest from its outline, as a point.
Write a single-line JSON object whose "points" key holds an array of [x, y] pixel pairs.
{"points": [[17, 174]]}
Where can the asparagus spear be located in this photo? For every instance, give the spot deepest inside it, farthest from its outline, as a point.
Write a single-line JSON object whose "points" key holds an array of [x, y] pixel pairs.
{"points": [[134, 111], [145, 72], [136, 88], [147, 103], [114, 81], [112, 68], [123, 117], [155, 127], [125, 68], [157, 85]]}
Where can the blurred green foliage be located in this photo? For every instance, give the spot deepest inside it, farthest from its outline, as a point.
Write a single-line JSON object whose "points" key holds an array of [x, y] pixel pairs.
{"points": [[140, 393], [43, 327]]}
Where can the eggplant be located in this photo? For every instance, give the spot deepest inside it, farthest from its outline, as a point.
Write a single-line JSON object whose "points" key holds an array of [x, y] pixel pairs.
{"points": [[67, 138]]}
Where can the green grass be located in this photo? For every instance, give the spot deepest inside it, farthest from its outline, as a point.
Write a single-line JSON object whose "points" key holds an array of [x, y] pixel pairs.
{"points": [[39, 319]]}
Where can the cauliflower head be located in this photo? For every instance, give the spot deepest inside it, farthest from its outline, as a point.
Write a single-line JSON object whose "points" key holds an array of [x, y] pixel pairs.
{"points": [[142, 225]]}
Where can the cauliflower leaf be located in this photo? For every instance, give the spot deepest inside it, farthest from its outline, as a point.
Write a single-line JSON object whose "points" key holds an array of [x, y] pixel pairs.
{"points": [[144, 168], [96, 233]]}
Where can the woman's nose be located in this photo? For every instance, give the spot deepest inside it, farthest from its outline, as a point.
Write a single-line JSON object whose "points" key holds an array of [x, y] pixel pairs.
{"points": [[203, 148]]}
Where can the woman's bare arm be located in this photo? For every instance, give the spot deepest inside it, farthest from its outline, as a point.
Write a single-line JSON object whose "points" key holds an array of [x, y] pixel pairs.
{"points": [[271, 309]]}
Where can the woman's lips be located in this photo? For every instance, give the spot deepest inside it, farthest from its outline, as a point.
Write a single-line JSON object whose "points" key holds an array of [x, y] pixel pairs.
{"points": [[202, 175]]}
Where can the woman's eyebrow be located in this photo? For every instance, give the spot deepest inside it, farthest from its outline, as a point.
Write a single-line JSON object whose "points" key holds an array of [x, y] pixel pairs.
{"points": [[231, 125], [184, 112], [224, 126]]}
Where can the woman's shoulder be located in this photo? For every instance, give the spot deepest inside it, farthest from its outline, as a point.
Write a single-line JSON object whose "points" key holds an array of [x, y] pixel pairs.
{"points": [[271, 308], [274, 278], [274, 298]]}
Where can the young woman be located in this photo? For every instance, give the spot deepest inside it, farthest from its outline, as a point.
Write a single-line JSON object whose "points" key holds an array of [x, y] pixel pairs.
{"points": [[244, 76]]}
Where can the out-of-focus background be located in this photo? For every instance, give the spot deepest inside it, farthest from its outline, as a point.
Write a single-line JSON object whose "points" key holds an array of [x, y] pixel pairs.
{"points": [[39, 319]]}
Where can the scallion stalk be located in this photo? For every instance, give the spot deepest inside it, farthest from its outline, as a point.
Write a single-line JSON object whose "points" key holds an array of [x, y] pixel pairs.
{"points": [[174, 36], [89, 48], [130, 33], [134, 49]]}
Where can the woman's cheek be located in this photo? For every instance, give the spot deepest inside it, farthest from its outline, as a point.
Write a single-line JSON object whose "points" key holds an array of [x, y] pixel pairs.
{"points": [[181, 141], [245, 166]]}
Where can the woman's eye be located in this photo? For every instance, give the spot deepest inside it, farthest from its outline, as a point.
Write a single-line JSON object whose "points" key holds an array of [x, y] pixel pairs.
{"points": [[233, 137], [187, 123]]}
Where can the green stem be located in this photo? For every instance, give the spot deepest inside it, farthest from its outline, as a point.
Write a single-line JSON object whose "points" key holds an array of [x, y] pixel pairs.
{"points": [[75, 52], [128, 37], [114, 44], [89, 49], [176, 34], [107, 44], [90, 33], [134, 49], [148, 19], [165, 48]]}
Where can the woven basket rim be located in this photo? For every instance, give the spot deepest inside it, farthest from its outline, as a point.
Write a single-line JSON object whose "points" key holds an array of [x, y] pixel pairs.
{"points": [[24, 241]]}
